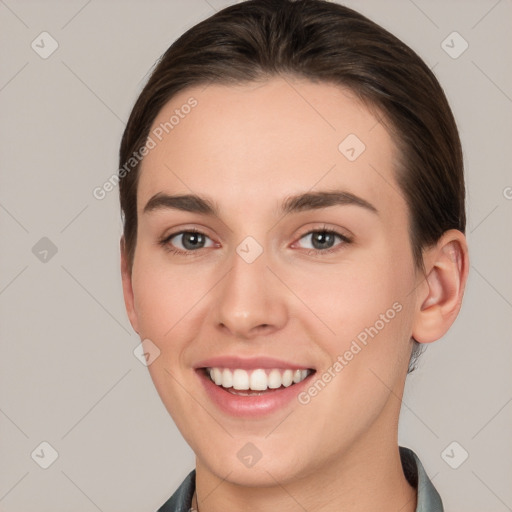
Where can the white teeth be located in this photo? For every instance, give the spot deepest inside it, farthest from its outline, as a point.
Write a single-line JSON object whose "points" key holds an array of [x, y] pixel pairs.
{"points": [[217, 376], [256, 380], [287, 378], [274, 379], [240, 379], [227, 379]]}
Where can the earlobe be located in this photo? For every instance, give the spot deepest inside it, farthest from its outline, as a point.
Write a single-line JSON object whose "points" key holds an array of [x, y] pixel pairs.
{"points": [[446, 265], [126, 276]]}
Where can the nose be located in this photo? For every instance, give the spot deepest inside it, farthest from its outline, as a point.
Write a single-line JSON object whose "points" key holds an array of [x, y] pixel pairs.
{"points": [[250, 301]]}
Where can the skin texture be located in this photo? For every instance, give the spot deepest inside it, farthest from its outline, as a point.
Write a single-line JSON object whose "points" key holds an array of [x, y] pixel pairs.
{"points": [[247, 148]]}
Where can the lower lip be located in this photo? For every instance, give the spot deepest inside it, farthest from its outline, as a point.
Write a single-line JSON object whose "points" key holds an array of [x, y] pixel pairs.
{"points": [[252, 405]]}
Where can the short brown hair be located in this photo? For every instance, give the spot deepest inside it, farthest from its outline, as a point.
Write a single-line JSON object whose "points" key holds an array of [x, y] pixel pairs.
{"points": [[323, 42]]}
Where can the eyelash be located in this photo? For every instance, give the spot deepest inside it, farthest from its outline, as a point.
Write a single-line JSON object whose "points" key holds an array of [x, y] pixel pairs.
{"points": [[345, 240], [164, 242]]}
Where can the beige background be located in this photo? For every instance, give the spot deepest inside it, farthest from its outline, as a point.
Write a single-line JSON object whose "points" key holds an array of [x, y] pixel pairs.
{"points": [[68, 375]]}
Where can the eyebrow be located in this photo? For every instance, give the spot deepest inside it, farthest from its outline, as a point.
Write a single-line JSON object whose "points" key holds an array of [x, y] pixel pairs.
{"points": [[298, 203]]}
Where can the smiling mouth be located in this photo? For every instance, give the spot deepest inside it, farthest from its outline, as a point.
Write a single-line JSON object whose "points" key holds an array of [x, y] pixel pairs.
{"points": [[238, 381]]}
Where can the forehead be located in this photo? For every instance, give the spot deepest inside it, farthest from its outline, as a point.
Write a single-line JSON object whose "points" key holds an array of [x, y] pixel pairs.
{"points": [[255, 143]]}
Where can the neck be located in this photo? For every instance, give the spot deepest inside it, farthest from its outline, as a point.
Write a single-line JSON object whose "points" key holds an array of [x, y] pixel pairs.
{"points": [[368, 477]]}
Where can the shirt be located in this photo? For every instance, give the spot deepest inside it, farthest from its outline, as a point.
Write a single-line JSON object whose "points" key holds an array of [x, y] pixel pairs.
{"points": [[428, 498]]}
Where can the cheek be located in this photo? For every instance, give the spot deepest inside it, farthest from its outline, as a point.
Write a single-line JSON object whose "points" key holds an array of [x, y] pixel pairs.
{"points": [[169, 301], [350, 298], [165, 296], [371, 318], [363, 314]]}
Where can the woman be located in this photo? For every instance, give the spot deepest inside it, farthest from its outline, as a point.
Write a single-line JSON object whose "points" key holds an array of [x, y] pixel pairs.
{"points": [[292, 187]]}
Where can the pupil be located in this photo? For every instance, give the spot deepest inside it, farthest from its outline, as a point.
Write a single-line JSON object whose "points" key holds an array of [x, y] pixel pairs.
{"points": [[192, 240], [322, 240]]}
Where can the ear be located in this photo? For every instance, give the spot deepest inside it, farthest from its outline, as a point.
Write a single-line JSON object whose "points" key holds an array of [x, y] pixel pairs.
{"points": [[440, 298], [126, 276]]}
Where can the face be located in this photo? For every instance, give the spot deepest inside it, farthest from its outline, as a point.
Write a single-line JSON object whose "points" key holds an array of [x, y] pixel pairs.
{"points": [[273, 249]]}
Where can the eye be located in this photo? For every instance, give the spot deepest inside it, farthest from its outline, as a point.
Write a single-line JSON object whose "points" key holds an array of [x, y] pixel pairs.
{"points": [[186, 241], [322, 240], [316, 241]]}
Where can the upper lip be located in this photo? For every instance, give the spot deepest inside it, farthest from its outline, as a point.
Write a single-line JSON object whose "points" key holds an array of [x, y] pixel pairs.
{"points": [[249, 363]]}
